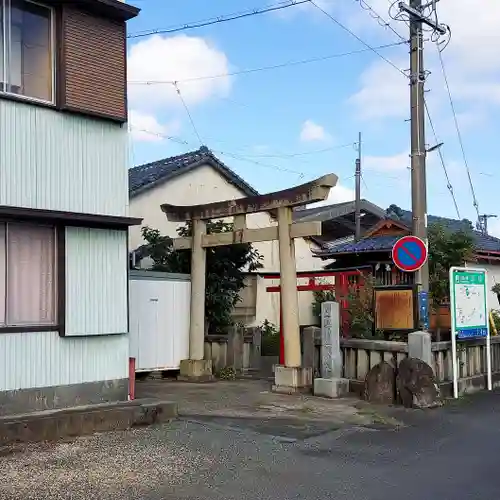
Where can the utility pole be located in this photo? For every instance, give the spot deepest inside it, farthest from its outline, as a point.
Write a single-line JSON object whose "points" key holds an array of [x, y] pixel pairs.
{"points": [[483, 222], [357, 200], [418, 154], [418, 150]]}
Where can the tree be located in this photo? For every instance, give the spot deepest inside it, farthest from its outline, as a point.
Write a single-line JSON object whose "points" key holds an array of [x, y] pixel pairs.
{"points": [[226, 268], [446, 249], [394, 211]]}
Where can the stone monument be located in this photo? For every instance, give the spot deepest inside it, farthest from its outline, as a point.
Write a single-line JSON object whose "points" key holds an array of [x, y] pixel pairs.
{"points": [[331, 384]]}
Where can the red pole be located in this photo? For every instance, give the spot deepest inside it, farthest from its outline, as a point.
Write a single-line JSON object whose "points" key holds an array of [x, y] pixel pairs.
{"points": [[282, 339], [131, 379]]}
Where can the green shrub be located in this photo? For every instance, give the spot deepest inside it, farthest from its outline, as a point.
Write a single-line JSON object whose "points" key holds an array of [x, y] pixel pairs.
{"points": [[270, 343]]}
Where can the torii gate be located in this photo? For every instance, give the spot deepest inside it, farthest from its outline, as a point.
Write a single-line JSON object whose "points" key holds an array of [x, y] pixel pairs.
{"points": [[280, 202]]}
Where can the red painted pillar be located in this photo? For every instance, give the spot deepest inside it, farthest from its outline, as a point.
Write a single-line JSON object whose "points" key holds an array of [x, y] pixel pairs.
{"points": [[131, 379]]}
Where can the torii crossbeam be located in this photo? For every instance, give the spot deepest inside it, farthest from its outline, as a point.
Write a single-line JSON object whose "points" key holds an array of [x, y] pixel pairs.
{"points": [[280, 204]]}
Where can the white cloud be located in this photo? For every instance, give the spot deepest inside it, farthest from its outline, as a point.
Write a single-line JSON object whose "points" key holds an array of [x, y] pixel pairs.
{"points": [[472, 66], [383, 93], [338, 194], [146, 128], [311, 132], [395, 163], [176, 58]]}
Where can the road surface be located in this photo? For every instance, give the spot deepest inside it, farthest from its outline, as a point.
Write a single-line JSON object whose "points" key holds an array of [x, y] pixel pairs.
{"points": [[446, 454]]}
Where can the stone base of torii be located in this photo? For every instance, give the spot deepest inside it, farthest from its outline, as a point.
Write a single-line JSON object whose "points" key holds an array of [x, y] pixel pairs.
{"points": [[290, 377]]}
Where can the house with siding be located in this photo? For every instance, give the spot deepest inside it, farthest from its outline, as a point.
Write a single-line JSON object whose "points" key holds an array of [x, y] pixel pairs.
{"points": [[63, 203]]}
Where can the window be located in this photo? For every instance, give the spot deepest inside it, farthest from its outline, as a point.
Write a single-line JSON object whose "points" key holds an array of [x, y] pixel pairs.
{"points": [[26, 49], [27, 275]]}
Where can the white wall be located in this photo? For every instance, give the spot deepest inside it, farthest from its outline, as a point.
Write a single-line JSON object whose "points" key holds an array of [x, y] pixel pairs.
{"points": [[61, 161], [206, 185], [159, 321], [493, 277]]}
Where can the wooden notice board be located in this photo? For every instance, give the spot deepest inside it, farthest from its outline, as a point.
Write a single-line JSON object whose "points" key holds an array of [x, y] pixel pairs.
{"points": [[394, 309]]}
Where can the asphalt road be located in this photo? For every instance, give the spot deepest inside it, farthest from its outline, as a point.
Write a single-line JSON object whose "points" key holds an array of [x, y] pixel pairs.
{"points": [[445, 454]]}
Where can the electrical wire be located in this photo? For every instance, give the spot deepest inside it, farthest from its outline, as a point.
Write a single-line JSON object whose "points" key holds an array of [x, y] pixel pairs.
{"points": [[188, 113], [303, 153], [254, 162], [459, 134], [270, 67], [345, 28], [131, 128], [440, 153], [226, 153], [219, 19], [380, 20]]}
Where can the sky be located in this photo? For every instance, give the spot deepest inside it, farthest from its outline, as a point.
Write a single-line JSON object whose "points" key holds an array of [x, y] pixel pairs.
{"points": [[284, 126]]}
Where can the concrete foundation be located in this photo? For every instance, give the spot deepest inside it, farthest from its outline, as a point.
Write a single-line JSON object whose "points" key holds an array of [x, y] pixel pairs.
{"points": [[331, 387], [292, 379], [62, 396], [196, 370], [50, 425]]}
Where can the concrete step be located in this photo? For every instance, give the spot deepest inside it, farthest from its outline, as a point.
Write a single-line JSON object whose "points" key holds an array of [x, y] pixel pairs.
{"points": [[50, 425]]}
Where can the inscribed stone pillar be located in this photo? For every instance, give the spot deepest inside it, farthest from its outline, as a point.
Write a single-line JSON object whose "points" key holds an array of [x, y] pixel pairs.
{"points": [[331, 357]]}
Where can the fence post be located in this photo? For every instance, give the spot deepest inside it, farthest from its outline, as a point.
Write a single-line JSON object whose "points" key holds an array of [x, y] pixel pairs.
{"points": [[255, 349], [308, 337], [420, 346], [235, 342]]}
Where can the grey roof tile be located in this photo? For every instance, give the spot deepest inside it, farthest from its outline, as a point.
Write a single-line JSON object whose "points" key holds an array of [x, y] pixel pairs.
{"points": [[149, 175]]}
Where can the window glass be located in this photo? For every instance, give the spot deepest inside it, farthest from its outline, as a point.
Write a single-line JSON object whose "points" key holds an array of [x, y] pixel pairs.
{"points": [[31, 275], [28, 39], [2, 274], [2, 47]]}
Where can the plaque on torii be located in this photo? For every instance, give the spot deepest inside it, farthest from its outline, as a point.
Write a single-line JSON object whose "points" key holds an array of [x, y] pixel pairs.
{"points": [[280, 204]]}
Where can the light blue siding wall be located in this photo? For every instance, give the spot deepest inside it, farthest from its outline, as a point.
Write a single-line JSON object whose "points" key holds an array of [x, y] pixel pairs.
{"points": [[61, 161], [56, 161], [43, 359], [96, 281]]}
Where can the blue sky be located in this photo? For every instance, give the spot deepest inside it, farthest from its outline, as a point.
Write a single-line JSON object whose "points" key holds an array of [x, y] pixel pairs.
{"points": [[280, 127]]}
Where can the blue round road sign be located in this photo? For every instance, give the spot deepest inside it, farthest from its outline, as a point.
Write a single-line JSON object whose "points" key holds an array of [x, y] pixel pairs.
{"points": [[409, 253]]}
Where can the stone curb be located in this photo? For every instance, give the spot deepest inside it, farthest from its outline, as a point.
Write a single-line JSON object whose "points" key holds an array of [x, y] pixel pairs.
{"points": [[77, 421]]}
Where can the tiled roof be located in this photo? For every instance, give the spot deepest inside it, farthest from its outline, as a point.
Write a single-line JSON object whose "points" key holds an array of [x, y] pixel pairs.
{"points": [[374, 244], [149, 175], [484, 242]]}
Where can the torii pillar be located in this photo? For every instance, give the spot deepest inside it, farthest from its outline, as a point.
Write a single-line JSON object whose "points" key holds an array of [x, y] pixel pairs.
{"points": [[290, 377]]}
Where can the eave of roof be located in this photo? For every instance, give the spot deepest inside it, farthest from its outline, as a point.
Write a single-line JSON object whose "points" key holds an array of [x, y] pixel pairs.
{"points": [[329, 212]]}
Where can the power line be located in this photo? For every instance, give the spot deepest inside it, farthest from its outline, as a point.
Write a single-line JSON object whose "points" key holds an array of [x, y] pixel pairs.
{"points": [[448, 182], [381, 21], [226, 153], [220, 19], [367, 45], [188, 113], [459, 134], [271, 67], [158, 134], [254, 162], [303, 153]]}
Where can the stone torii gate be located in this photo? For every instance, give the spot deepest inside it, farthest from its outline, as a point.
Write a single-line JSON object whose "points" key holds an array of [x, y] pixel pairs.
{"points": [[289, 377]]}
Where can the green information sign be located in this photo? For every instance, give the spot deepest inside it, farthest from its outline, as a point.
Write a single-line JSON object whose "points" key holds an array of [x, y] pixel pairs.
{"points": [[469, 309], [469, 314]]}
